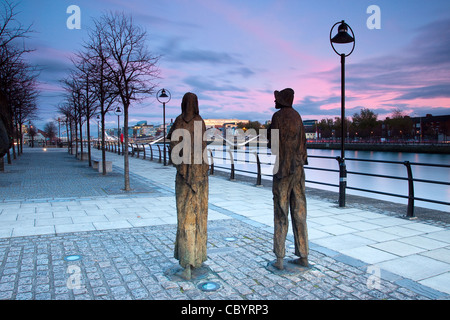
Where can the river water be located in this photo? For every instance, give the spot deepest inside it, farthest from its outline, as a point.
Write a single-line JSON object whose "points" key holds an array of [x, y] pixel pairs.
{"points": [[245, 161]]}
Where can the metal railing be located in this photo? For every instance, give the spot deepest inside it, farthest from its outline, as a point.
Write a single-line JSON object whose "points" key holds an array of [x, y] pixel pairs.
{"points": [[137, 149]]}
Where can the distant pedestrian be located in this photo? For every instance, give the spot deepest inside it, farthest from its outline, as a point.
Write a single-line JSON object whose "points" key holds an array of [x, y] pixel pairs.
{"points": [[289, 178]]}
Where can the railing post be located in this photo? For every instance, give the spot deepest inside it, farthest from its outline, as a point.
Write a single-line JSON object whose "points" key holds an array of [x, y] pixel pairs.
{"points": [[232, 166], [159, 149], [169, 154], [258, 166], [342, 181], [137, 151], [211, 166], [410, 210], [164, 154], [143, 148], [151, 152]]}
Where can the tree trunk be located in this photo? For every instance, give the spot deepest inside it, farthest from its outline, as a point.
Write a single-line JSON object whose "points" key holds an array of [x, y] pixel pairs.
{"points": [[89, 141], [76, 137], [81, 139], [67, 135], [88, 116], [16, 138], [126, 160], [103, 142], [9, 156], [21, 138]]}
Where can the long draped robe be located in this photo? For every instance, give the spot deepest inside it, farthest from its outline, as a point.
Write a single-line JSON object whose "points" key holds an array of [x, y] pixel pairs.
{"points": [[191, 187]]}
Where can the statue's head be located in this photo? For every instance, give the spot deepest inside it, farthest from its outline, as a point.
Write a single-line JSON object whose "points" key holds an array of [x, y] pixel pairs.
{"points": [[284, 98], [189, 106]]}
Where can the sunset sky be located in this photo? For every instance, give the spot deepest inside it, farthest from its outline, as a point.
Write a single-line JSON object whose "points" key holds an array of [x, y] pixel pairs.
{"points": [[234, 54]]}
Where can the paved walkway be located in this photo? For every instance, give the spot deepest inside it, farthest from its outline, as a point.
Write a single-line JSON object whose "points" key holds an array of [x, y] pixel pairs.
{"points": [[67, 232]]}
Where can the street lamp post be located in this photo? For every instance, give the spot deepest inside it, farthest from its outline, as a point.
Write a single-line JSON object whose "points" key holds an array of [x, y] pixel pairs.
{"points": [[342, 37], [163, 96], [118, 112]]}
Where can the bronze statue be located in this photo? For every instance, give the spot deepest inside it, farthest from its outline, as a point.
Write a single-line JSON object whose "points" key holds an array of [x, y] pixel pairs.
{"points": [[191, 185], [289, 178]]}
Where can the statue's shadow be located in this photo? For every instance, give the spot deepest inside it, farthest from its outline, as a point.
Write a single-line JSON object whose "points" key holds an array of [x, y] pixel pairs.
{"points": [[289, 267], [175, 273]]}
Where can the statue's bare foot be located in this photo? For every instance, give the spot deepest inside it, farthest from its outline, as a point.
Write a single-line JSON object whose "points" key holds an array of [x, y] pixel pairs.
{"points": [[279, 264], [187, 275], [301, 261]]}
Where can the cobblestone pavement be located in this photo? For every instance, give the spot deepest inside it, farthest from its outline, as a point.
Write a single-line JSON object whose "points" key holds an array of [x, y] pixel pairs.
{"points": [[87, 243], [55, 174], [137, 263]]}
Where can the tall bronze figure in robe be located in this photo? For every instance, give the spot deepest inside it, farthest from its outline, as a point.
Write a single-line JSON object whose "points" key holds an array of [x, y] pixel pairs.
{"points": [[289, 178], [191, 187]]}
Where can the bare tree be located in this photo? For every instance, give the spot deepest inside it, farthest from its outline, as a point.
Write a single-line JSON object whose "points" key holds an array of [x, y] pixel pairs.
{"points": [[74, 99], [13, 71], [10, 28], [23, 96], [132, 68], [32, 133], [106, 95], [50, 130], [85, 72], [68, 112]]}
